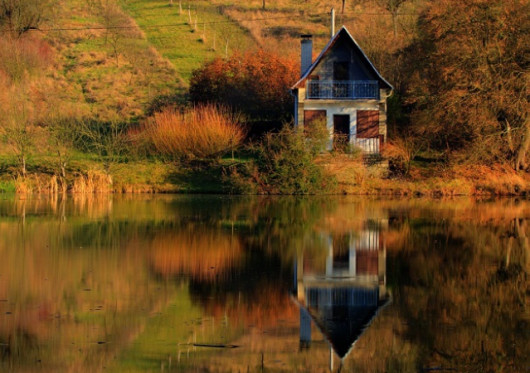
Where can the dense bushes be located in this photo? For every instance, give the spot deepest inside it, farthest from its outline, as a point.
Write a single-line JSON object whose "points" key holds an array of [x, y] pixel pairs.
{"points": [[470, 88], [283, 163], [253, 83], [200, 132]]}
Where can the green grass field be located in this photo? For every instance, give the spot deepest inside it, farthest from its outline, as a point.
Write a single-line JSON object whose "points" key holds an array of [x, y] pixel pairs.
{"points": [[185, 45]]}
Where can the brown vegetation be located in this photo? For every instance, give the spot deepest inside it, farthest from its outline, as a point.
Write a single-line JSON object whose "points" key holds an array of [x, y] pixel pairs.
{"points": [[208, 256], [470, 88], [253, 83], [201, 132]]}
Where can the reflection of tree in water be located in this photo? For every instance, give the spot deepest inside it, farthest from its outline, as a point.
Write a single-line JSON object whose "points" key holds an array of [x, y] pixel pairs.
{"points": [[461, 292], [272, 230], [202, 254], [287, 225], [253, 293], [458, 274]]}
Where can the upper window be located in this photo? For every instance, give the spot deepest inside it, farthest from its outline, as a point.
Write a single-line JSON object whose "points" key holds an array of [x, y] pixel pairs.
{"points": [[341, 71]]}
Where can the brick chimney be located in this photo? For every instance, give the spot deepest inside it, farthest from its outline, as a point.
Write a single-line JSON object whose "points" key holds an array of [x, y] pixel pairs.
{"points": [[306, 52]]}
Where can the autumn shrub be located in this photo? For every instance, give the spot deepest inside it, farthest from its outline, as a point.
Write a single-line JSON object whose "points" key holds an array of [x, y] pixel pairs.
{"points": [[197, 133], [253, 83], [284, 163], [401, 152]]}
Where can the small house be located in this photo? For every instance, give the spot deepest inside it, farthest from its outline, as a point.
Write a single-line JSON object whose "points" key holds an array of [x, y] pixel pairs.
{"points": [[342, 90]]}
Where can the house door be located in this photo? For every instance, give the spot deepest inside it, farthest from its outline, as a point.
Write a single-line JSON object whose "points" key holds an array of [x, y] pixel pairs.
{"points": [[341, 131]]}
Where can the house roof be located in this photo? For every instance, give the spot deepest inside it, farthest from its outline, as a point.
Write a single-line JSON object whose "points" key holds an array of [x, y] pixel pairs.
{"points": [[343, 32], [342, 325]]}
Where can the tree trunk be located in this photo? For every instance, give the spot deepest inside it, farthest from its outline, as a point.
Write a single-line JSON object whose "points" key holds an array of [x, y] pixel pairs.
{"points": [[263, 5], [509, 136], [520, 162], [343, 6], [520, 227], [394, 22]]}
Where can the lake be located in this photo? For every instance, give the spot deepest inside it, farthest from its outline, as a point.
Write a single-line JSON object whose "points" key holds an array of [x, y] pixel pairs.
{"points": [[234, 284]]}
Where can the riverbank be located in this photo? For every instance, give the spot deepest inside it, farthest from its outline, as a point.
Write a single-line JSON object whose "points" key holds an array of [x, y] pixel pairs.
{"points": [[353, 177], [436, 180]]}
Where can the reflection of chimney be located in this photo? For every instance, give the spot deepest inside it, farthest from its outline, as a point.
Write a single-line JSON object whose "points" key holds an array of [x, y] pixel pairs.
{"points": [[307, 52], [305, 329]]}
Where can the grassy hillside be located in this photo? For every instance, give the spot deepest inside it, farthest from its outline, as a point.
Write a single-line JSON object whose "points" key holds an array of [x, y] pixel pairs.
{"points": [[91, 66], [109, 72], [189, 32]]}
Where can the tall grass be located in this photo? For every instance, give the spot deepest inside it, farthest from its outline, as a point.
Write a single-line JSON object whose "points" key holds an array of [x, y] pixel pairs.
{"points": [[197, 133]]}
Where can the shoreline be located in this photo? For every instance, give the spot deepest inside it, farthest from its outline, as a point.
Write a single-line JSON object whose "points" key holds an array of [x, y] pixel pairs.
{"points": [[352, 178]]}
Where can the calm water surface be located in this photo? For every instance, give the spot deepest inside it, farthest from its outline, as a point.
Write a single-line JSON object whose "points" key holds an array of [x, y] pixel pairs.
{"points": [[180, 283]]}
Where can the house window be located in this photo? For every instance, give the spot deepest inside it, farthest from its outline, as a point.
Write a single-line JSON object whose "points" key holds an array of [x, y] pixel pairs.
{"points": [[314, 120], [341, 70], [341, 75], [367, 124]]}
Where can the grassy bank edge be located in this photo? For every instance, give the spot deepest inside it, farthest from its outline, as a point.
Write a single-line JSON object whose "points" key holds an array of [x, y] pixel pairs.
{"points": [[353, 178]]}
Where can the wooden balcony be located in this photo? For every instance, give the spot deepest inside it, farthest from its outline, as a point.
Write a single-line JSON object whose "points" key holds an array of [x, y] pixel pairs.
{"points": [[342, 90]]}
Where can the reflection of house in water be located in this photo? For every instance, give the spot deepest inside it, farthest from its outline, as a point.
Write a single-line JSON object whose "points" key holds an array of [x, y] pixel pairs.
{"points": [[343, 295]]}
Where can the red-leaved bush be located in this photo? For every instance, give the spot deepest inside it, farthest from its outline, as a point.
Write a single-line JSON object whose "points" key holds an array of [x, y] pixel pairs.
{"points": [[253, 83], [24, 55]]}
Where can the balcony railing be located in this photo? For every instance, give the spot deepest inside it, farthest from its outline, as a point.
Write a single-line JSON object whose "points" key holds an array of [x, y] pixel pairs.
{"points": [[342, 89], [370, 145]]}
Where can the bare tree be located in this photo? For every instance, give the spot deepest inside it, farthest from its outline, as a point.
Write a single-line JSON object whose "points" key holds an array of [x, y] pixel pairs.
{"points": [[226, 35], [392, 6], [61, 138], [106, 139], [18, 17], [117, 27], [18, 132]]}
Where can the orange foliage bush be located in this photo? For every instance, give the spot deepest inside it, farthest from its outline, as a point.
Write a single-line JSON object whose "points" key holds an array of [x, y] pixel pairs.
{"points": [[201, 132], [203, 257], [254, 83]]}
